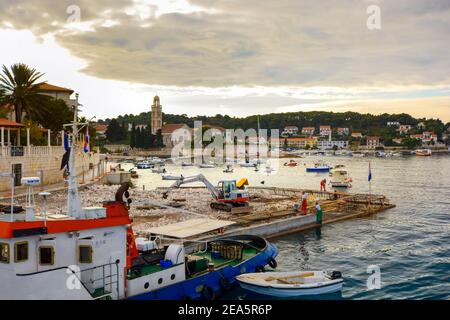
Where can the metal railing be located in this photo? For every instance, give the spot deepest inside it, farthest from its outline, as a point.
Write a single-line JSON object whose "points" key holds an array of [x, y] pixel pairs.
{"points": [[22, 151], [109, 281], [112, 280]]}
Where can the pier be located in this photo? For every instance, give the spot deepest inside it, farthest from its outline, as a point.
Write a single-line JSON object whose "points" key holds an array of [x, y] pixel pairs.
{"points": [[266, 222]]}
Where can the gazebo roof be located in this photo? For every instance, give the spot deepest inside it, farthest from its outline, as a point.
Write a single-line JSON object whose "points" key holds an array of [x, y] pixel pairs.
{"points": [[10, 124]]}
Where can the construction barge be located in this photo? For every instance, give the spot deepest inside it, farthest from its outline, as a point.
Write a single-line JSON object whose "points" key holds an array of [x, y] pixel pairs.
{"points": [[269, 223]]}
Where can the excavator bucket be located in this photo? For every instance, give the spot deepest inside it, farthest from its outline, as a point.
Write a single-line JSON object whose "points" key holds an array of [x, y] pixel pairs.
{"points": [[242, 183]]}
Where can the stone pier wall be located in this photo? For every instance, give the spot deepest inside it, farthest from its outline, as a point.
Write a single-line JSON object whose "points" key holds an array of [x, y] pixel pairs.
{"points": [[47, 167]]}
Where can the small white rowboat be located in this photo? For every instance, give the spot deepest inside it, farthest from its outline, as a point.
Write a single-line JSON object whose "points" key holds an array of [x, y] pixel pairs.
{"points": [[292, 284]]}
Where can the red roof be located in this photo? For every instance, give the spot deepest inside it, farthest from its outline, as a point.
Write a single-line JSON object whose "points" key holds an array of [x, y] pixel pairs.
{"points": [[325, 127], [308, 128], [10, 124], [50, 87], [211, 126], [170, 128], [101, 127]]}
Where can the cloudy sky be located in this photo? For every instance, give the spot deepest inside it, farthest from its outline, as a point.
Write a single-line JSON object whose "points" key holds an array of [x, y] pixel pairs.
{"points": [[237, 57]]}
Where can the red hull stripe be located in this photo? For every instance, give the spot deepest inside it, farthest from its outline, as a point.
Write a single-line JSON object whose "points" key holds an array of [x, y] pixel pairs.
{"points": [[60, 226]]}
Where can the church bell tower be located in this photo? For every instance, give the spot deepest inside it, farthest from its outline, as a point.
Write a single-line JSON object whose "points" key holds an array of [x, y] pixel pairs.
{"points": [[156, 119]]}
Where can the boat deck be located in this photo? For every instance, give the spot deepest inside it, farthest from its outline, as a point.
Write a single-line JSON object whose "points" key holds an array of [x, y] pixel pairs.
{"points": [[219, 262], [247, 253]]}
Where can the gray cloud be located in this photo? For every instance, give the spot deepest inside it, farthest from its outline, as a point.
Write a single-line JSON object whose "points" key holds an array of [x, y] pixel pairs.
{"points": [[255, 42]]}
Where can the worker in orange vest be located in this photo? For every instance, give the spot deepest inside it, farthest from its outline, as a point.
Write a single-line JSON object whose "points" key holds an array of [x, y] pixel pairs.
{"points": [[323, 185]]}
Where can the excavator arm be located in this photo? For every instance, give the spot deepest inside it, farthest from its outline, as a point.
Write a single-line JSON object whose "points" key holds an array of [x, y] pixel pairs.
{"points": [[197, 178]]}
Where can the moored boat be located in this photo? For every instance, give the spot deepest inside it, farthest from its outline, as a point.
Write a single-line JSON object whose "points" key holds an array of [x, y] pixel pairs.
{"points": [[248, 164], [172, 177], [319, 167], [207, 165], [292, 284], [423, 152], [340, 178], [144, 165], [228, 169]]}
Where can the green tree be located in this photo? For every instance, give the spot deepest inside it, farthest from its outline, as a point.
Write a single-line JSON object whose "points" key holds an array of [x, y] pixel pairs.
{"points": [[116, 132], [159, 139], [20, 88], [133, 136], [411, 143], [58, 114]]}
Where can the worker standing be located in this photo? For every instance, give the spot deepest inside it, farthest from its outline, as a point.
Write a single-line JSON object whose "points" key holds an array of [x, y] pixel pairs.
{"points": [[323, 185], [319, 213], [304, 203]]}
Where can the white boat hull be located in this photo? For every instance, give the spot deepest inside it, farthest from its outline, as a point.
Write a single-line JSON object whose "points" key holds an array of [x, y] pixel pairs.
{"points": [[295, 292], [290, 284]]}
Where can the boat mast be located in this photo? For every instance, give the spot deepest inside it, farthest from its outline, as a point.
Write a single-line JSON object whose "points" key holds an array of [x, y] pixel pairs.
{"points": [[73, 198], [257, 140]]}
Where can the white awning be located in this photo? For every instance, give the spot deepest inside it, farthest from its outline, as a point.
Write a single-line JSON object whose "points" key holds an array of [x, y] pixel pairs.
{"points": [[190, 228]]}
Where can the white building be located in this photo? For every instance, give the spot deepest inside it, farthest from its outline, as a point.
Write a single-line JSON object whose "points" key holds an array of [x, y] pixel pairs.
{"points": [[373, 142], [331, 144], [404, 128], [325, 130], [393, 124], [343, 131], [290, 131], [308, 131]]}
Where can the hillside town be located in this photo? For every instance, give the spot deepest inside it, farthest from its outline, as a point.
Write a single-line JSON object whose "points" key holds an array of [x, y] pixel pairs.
{"points": [[114, 136]]}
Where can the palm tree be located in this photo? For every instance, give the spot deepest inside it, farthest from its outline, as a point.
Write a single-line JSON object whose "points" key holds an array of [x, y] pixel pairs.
{"points": [[20, 88]]}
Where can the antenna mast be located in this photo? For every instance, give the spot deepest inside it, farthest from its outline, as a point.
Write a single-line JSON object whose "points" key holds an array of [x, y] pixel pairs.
{"points": [[73, 198]]}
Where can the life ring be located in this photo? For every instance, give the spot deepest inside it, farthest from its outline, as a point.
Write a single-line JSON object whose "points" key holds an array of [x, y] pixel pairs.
{"points": [[272, 263], [208, 293], [259, 268], [225, 284]]}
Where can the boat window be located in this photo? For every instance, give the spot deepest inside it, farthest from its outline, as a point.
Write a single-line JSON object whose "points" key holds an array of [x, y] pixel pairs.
{"points": [[46, 256], [85, 254], [4, 252], [21, 251]]}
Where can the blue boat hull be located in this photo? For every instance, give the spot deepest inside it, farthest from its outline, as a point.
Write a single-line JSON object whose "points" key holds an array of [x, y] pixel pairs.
{"points": [[193, 289], [323, 169]]}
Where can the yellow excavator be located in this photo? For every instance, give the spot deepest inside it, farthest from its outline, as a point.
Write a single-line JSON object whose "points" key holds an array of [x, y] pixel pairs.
{"points": [[228, 195]]}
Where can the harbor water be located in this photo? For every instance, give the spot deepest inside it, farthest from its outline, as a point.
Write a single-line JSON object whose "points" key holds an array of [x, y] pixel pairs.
{"points": [[410, 244]]}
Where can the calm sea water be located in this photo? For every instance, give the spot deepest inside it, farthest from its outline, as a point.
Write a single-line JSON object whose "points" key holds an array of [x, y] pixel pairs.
{"points": [[410, 243]]}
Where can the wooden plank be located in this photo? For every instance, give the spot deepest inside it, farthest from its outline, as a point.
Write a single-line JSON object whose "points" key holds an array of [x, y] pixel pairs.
{"points": [[237, 210]]}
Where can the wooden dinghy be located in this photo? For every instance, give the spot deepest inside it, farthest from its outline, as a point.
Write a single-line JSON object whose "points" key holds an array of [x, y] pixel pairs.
{"points": [[292, 284]]}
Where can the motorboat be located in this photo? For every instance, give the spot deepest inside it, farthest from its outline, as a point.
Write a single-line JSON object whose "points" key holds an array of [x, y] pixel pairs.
{"points": [[248, 164], [292, 284], [228, 169], [156, 161], [207, 165], [171, 177], [358, 155], [340, 178], [269, 170], [291, 163], [145, 165], [423, 152], [381, 154], [159, 170], [319, 167]]}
